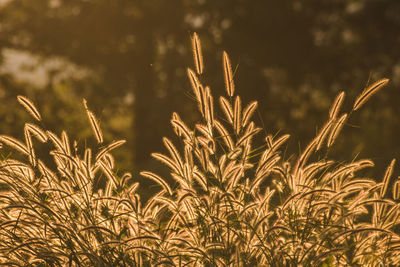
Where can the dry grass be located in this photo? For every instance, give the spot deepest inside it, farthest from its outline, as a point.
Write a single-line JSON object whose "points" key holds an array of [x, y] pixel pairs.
{"points": [[232, 204]]}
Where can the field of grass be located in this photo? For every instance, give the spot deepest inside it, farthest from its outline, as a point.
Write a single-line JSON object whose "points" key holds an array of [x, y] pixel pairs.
{"points": [[236, 198]]}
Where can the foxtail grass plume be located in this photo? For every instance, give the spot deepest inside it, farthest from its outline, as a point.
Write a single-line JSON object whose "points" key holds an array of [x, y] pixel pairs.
{"points": [[336, 105], [93, 122], [386, 178], [29, 106], [197, 53], [337, 126], [368, 92], [229, 84]]}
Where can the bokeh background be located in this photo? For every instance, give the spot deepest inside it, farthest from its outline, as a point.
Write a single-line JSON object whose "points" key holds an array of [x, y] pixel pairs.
{"points": [[128, 58]]}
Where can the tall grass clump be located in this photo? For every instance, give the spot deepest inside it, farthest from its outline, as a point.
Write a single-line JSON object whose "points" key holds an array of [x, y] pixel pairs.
{"points": [[52, 214], [235, 200]]}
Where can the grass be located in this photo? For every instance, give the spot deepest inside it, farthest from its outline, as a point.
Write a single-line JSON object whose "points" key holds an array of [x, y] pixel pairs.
{"points": [[235, 201]]}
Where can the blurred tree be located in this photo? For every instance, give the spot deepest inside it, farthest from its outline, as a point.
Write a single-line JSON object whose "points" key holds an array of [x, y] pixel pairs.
{"points": [[119, 41], [293, 56]]}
